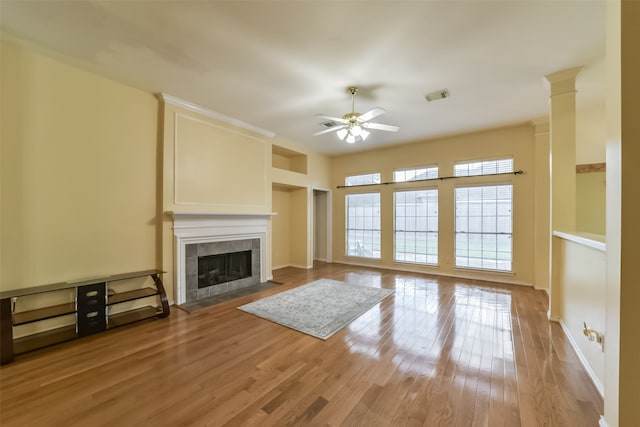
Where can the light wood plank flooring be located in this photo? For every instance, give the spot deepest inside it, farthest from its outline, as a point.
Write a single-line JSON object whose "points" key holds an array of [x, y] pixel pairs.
{"points": [[439, 352]]}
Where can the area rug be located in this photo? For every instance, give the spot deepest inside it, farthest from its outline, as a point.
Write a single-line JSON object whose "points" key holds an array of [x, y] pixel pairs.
{"points": [[319, 308]]}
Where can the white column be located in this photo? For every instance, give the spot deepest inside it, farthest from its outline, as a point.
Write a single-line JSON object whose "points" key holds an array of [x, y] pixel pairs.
{"points": [[562, 143]]}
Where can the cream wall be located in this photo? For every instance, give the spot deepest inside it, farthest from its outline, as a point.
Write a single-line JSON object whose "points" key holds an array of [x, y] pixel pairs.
{"points": [[281, 227], [212, 166], [542, 202], [591, 138], [299, 211], [581, 280], [591, 202], [79, 173], [516, 141], [622, 346], [209, 166]]}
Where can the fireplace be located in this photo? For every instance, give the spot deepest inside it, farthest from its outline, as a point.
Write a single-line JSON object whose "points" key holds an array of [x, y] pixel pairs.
{"points": [[205, 243], [222, 268], [216, 267]]}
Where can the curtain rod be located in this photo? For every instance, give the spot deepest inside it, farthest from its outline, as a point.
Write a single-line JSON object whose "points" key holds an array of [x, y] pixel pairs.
{"points": [[442, 178]]}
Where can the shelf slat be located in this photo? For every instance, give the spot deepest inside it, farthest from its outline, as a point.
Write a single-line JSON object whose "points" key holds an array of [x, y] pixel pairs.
{"points": [[131, 316], [44, 339], [23, 317], [131, 295], [65, 285]]}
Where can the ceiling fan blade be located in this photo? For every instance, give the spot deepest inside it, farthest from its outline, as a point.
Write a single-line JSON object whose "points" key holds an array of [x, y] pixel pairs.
{"points": [[333, 119], [331, 129], [371, 114], [380, 126]]}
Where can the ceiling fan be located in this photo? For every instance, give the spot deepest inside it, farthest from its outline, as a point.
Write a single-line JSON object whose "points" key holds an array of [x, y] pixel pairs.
{"points": [[353, 126]]}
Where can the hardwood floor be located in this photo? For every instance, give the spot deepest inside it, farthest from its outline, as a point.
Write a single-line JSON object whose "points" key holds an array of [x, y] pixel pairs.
{"points": [[439, 352]]}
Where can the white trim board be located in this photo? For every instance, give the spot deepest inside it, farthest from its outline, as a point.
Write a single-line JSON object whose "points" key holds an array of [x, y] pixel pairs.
{"points": [[190, 106], [594, 378]]}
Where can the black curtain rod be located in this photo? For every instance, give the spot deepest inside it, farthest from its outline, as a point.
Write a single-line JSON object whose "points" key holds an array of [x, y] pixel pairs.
{"points": [[442, 178]]}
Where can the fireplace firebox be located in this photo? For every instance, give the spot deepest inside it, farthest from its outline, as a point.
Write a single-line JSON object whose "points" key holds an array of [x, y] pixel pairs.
{"points": [[223, 268]]}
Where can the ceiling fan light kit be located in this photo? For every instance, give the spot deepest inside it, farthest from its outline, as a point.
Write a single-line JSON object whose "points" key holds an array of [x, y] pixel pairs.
{"points": [[351, 126]]}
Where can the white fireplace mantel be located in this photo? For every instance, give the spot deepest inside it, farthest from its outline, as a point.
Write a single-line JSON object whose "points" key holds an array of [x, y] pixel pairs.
{"points": [[191, 227]]}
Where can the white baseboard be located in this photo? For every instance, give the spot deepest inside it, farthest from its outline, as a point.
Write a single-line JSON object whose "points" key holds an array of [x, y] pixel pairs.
{"points": [[583, 360], [460, 275], [305, 267], [546, 290], [602, 422]]}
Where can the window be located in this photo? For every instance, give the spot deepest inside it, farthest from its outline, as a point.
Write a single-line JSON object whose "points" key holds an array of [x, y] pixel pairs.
{"points": [[367, 179], [484, 167], [483, 227], [406, 175], [363, 225], [416, 226]]}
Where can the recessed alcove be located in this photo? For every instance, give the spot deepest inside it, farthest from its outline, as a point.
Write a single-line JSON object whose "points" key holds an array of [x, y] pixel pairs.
{"points": [[283, 158], [289, 227]]}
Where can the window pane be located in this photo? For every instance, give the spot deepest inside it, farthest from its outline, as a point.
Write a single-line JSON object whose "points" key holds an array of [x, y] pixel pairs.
{"points": [[363, 225], [484, 226], [371, 178], [486, 167], [416, 222], [406, 175]]}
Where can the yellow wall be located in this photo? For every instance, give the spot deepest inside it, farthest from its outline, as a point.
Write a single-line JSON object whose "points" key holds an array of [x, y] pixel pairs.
{"points": [[542, 216], [591, 202], [629, 213], [301, 218], [218, 168], [623, 204], [281, 228], [212, 166], [516, 141], [581, 280], [79, 171], [300, 233]]}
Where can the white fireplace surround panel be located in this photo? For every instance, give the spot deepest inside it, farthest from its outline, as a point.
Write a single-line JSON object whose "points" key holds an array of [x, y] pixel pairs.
{"points": [[206, 227]]}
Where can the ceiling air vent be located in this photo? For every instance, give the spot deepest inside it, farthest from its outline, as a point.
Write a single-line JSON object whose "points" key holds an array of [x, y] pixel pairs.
{"points": [[329, 124], [438, 94]]}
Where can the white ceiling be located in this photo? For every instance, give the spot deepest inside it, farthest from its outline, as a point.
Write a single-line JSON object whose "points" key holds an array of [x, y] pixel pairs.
{"points": [[276, 65]]}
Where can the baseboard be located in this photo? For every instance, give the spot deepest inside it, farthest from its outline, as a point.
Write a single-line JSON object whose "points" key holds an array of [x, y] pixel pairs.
{"points": [[545, 290], [594, 379], [602, 422], [401, 267], [304, 267]]}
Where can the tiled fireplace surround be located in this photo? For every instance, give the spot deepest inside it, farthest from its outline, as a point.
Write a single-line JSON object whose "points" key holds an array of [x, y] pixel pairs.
{"points": [[200, 234]]}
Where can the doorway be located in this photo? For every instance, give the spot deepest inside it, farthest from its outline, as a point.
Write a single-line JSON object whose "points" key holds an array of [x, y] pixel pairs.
{"points": [[321, 225]]}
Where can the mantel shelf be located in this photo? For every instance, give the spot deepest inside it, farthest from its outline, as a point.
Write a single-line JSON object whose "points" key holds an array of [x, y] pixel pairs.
{"points": [[221, 214]]}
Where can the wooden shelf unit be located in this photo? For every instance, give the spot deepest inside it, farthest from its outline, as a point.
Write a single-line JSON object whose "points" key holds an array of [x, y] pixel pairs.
{"points": [[91, 308]]}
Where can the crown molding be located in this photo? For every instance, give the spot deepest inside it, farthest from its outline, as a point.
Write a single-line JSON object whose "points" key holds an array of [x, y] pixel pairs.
{"points": [[169, 99]]}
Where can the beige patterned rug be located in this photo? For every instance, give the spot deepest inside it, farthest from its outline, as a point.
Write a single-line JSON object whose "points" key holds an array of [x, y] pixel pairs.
{"points": [[319, 308]]}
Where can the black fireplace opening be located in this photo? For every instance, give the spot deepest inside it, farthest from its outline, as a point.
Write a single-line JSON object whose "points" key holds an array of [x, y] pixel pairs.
{"points": [[223, 268]]}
